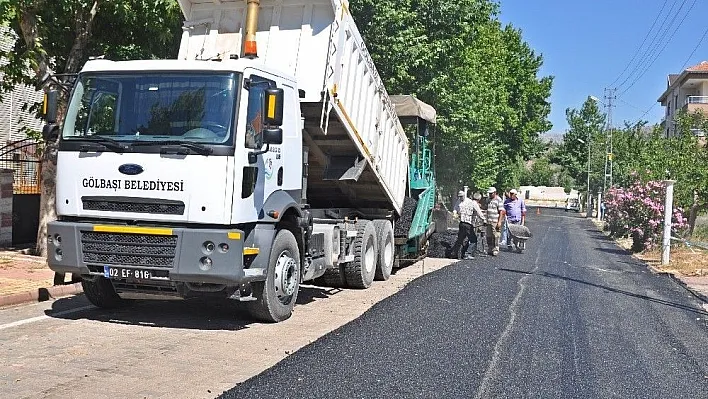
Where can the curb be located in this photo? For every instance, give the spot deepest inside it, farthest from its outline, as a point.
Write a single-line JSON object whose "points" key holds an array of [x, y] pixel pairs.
{"points": [[654, 270], [680, 282], [688, 288], [41, 294]]}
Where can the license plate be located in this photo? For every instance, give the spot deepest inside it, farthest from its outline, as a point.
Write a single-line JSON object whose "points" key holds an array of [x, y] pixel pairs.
{"points": [[125, 273]]}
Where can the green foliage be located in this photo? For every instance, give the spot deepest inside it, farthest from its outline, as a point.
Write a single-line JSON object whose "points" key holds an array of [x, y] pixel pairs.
{"points": [[481, 77], [60, 35], [585, 129], [638, 211], [638, 152], [701, 232], [655, 157]]}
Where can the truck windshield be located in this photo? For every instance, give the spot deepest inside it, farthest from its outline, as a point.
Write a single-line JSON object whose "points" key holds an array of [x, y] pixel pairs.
{"points": [[134, 107]]}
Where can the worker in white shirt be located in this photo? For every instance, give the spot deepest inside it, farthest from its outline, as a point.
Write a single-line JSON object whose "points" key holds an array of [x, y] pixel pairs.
{"points": [[470, 215]]}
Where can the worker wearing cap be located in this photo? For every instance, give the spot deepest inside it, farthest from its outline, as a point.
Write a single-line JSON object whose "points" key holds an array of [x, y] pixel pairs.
{"points": [[470, 213], [515, 210], [495, 216]]}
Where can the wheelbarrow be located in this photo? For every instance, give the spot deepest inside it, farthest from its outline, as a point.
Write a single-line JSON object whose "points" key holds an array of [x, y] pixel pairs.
{"points": [[518, 234]]}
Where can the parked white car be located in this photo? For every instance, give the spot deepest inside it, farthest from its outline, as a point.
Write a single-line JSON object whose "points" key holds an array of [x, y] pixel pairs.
{"points": [[572, 204]]}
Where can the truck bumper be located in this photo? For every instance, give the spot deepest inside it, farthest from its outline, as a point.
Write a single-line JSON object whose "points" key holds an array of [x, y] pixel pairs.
{"points": [[171, 255]]}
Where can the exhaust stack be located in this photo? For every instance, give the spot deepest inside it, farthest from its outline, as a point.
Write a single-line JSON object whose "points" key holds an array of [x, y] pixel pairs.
{"points": [[249, 37]]}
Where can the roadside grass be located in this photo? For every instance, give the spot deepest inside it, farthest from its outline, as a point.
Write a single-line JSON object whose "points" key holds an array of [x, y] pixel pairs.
{"points": [[684, 260]]}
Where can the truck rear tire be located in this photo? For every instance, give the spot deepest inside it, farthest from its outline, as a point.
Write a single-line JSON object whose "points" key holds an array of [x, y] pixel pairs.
{"points": [[101, 293], [276, 296], [360, 273], [386, 249]]}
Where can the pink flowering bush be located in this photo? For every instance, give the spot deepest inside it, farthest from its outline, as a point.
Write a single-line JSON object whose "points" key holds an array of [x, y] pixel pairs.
{"points": [[638, 211]]}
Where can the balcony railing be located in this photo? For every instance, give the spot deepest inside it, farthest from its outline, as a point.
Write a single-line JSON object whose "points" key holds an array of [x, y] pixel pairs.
{"points": [[697, 100]]}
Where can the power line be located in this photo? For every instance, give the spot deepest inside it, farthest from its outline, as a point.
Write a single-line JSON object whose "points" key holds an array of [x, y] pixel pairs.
{"points": [[653, 43], [694, 49], [660, 51], [641, 45], [631, 105], [700, 41], [647, 111]]}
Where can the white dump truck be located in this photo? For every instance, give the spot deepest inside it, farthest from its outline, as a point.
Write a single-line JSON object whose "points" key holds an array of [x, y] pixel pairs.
{"points": [[267, 154]]}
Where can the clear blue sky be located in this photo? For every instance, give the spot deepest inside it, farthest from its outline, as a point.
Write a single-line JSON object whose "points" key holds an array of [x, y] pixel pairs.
{"points": [[586, 45]]}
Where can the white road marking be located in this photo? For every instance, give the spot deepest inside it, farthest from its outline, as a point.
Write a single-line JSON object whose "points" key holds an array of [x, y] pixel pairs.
{"points": [[40, 318]]}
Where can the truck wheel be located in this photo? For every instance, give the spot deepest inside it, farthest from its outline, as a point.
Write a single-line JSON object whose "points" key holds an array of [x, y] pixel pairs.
{"points": [[384, 239], [101, 293], [276, 296], [360, 272]]}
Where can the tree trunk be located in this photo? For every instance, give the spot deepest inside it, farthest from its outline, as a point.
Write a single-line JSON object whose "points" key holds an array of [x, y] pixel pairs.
{"points": [[47, 205], [693, 214]]}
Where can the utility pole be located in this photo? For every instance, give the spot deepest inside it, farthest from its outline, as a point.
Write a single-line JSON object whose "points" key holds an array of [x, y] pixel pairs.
{"points": [[609, 97]]}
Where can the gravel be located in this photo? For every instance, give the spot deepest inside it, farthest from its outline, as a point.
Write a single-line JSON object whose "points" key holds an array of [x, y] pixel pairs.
{"points": [[440, 244], [403, 225]]}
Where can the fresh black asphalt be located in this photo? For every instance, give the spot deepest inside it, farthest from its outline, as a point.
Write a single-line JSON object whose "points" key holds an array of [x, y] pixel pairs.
{"points": [[572, 317]]}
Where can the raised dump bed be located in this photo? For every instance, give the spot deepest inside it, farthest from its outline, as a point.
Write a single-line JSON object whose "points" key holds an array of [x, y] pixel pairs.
{"points": [[358, 151]]}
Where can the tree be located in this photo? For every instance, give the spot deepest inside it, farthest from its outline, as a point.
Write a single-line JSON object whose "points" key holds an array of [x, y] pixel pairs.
{"points": [[584, 124], [648, 154], [60, 35], [482, 79]]}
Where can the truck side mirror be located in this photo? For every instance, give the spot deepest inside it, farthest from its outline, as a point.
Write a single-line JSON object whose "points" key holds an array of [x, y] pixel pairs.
{"points": [[50, 132], [50, 106], [273, 135], [273, 107]]}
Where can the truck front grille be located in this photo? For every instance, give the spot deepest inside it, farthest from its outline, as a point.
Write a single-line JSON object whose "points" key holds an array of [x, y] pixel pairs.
{"points": [[128, 249], [134, 205]]}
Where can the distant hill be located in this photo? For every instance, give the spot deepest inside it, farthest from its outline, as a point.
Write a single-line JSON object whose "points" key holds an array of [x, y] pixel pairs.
{"points": [[552, 136]]}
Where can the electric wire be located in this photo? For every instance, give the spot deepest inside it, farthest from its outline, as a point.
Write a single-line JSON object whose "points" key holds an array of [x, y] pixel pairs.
{"points": [[685, 63], [660, 51], [636, 53], [651, 55], [705, 32]]}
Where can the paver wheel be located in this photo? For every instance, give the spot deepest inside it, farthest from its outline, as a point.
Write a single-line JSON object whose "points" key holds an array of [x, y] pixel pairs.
{"points": [[360, 273], [384, 239], [101, 293], [276, 296]]}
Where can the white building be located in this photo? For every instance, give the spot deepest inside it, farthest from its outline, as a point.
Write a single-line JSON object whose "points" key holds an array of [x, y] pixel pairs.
{"points": [[14, 122]]}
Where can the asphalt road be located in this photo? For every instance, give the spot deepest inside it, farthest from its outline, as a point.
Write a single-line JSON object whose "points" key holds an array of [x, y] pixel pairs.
{"points": [[67, 348], [572, 317]]}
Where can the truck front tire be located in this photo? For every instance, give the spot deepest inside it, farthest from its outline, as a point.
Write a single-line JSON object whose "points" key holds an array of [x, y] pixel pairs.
{"points": [[276, 296], [101, 293]]}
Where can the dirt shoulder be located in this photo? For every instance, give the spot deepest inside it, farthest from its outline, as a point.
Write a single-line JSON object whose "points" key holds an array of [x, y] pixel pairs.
{"points": [[688, 265]]}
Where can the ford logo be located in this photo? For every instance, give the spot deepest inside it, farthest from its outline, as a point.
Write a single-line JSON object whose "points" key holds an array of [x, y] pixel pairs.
{"points": [[130, 169]]}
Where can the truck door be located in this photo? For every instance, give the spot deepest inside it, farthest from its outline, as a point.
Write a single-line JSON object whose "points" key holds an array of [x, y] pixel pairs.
{"points": [[262, 178]]}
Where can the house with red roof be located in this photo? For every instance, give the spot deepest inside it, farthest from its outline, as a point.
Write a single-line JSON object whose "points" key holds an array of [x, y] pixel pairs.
{"points": [[688, 91]]}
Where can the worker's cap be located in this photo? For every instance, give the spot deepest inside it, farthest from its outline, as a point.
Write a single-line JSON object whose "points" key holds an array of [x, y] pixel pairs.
{"points": [[513, 191], [491, 190], [477, 196], [460, 193]]}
